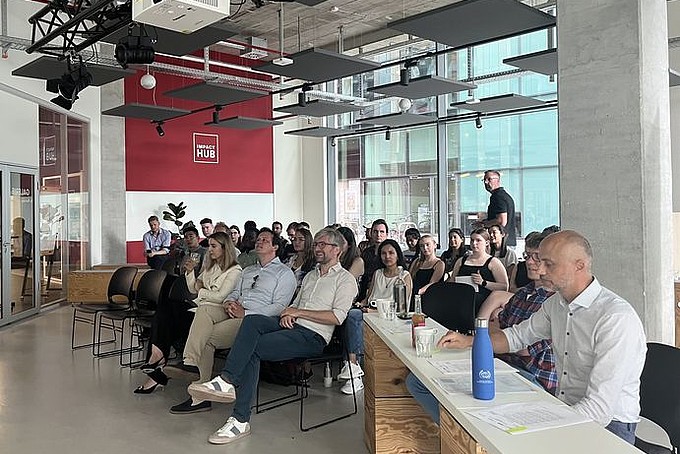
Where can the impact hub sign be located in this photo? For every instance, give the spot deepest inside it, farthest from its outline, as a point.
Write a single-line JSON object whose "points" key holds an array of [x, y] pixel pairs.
{"points": [[206, 148]]}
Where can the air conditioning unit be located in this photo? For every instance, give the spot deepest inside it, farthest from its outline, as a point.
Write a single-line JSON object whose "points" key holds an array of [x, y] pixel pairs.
{"points": [[184, 16]]}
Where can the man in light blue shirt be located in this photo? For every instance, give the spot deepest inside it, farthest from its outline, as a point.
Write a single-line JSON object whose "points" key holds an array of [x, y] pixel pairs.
{"points": [[156, 244], [265, 288]]}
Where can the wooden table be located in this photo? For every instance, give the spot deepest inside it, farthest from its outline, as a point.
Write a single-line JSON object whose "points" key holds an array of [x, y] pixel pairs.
{"points": [[394, 423], [91, 286]]}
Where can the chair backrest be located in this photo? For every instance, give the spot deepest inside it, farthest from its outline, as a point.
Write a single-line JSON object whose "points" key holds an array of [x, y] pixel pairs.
{"points": [[150, 289], [178, 290], [121, 284], [660, 389], [452, 304]]}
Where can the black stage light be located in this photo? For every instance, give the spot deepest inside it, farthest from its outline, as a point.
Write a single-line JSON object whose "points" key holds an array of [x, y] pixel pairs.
{"points": [[76, 79], [478, 121], [159, 129], [134, 50], [388, 134]]}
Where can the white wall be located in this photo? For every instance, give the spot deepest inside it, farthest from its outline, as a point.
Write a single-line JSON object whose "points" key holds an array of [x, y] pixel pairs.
{"points": [[19, 130]]}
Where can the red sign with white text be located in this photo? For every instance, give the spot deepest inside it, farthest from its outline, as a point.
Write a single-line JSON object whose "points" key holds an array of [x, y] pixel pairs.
{"points": [[206, 148]]}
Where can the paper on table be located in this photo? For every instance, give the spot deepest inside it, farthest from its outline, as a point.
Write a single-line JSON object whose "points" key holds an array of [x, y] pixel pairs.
{"points": [[460, 366], [528, 417], [467, 280], [505, 384]]}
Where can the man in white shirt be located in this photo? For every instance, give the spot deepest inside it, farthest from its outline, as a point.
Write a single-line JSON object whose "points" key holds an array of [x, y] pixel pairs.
{"points": [[303, 330], [598, 339]]}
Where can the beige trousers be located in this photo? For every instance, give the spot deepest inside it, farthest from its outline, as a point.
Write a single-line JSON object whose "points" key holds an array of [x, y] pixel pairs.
{"points": [[211, 329]]}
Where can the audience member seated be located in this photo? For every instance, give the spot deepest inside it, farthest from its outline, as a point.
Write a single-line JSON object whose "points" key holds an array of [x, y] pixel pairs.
{"points": [[303, 260], [249, 225], [456, 250], [427, 269], [207, 228], [536, 362], [264, 288], [156, 244], [382, 286], [248, 256], [370, 256], [302, 330], [412, 235], [367, 242], [220, 226], [500, 250], [606, 344], [350, 259], [288, 250], [277, 228], [235, 233], [172, 320], [518, 276], [485, 271]]}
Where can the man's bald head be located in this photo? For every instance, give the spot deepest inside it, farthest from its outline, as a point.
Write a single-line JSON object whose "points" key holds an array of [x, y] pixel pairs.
{"points": [[566, 259]]}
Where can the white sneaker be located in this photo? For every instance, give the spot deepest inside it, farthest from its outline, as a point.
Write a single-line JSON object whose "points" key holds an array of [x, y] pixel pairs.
{"points": [[232, 430], [215, 390], [347, 387], [356, 371]]}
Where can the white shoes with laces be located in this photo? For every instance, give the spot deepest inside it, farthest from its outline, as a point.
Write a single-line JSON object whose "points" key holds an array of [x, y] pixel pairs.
{"points": [[347, 387], [232, 430], [357, 372]]}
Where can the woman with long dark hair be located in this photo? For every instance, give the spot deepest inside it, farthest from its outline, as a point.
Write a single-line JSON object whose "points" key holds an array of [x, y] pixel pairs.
{"points": [[499, 249], [235, 233], [350, 259], [456, 249], [382, 286], [303, 260]]}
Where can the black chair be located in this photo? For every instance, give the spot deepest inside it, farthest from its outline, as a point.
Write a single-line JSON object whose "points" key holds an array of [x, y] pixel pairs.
{"points": [[336, 350], [51, 258], [451, 304], [660, 394], [148, 294], [119, 297]]}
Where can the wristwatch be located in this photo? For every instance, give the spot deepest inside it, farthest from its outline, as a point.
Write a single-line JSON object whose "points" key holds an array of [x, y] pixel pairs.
{"points": [[484, 283]]}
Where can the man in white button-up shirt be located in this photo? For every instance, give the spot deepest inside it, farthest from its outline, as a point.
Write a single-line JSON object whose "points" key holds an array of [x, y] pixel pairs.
{"points": [[598, 339]]}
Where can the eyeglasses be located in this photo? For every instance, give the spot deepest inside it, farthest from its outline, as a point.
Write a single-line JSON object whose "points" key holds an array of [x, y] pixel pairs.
{"points": [[255, 281], [322, 244], [531, 255], [489, 179]]}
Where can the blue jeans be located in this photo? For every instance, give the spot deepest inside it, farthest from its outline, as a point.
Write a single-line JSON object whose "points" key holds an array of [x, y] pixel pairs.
{"points": [[354, 331], [423, 396], [261, 338], [625, 430]]}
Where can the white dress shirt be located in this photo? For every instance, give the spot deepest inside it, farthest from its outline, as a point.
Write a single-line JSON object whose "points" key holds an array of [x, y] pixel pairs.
{"points": [[599, 347]]}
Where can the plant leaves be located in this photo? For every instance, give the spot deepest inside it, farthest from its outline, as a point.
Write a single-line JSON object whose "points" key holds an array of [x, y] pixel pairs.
{"points": [[181, 214], [168, 217], [172, 207], [178, 223]]}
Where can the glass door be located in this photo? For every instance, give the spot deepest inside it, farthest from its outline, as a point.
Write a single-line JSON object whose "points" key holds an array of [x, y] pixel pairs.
{"points": [[20, 252]]}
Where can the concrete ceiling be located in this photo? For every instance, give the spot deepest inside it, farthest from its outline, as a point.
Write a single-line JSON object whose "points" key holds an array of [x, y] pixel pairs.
{"points": [[363, 21]]}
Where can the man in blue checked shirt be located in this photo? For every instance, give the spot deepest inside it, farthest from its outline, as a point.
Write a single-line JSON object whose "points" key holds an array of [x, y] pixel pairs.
{"points": [[156, 244]]}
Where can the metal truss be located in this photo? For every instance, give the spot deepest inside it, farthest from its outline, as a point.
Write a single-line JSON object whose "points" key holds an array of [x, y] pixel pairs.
{"points": [[65, 27]]}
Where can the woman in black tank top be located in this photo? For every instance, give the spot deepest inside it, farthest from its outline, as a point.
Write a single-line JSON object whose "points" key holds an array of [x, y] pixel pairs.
{"points": [[486, 271]]}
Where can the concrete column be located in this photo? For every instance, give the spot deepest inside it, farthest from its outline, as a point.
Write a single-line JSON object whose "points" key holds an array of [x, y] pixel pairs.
{"points": [[113, 177], [614, 139]]}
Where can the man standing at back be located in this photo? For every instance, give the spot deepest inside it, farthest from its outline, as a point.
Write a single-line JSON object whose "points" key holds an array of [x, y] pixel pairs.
{"points": [[501, 208], [598, 340]]}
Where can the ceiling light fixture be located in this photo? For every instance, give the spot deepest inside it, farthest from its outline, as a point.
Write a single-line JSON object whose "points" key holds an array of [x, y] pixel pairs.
{"points": [[478, 121], [135, 49], [216, 114], [159, 128], [388, 134], [405, 72], [76, 78]]}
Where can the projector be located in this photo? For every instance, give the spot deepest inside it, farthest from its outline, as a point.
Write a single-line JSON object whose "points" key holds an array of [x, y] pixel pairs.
{"points": [[184, 16]]}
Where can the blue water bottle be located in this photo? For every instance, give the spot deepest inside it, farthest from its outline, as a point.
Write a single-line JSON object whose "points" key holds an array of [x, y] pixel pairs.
{"points": [[483, 384]]}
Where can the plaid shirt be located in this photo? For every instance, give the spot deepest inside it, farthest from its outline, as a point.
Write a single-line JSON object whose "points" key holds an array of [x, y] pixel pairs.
{"points": [[541, 361]]}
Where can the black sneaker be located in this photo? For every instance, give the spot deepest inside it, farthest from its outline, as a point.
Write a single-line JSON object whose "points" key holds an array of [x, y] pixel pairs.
{"points": [[186, 407]]}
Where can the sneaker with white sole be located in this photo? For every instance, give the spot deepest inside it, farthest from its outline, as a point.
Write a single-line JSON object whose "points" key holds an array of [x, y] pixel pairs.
{"points": [[347, 387], [215, 390], [232, 430], [356, 371]]}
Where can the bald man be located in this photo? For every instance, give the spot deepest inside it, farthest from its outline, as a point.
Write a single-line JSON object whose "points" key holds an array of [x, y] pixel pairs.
{"points": [[598, 339]]}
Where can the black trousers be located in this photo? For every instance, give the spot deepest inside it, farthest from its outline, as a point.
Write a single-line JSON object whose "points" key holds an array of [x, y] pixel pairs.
{"points": [[171, 324]]}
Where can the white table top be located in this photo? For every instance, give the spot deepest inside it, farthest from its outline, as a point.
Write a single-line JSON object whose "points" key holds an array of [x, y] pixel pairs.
{"points": [[585, 437]]}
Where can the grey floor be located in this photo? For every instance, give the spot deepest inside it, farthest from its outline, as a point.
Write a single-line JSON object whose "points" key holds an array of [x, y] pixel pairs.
{"points": [[53, 400]]}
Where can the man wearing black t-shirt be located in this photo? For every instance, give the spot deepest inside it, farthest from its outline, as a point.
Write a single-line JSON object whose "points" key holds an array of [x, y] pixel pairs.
{"points": [[501, 208]]}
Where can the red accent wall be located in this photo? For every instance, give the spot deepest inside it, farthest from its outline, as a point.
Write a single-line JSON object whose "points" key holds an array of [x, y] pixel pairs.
{"points": [[166, 163], [135, 252]]}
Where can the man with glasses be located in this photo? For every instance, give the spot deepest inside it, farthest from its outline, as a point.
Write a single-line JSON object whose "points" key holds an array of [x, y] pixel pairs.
{"points": [[370, 255], [302, 331], [265, 288], [501, 208]]}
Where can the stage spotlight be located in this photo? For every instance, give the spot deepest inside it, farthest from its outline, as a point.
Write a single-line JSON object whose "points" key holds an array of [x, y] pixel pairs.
{"points": [[159, 129], [135, 50], [70, 84], [332, 141], [388, 134], [478, 121]]}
